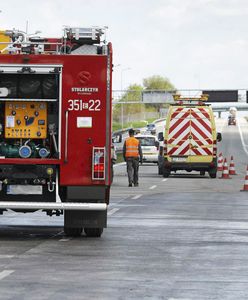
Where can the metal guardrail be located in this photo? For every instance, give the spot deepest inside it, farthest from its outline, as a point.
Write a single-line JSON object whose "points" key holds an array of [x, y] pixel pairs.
{"points": [[120, 131]]}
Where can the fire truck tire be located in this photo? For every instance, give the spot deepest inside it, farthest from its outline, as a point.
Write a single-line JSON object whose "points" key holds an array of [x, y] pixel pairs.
{"points": [[73, 231], [112, 174], [166, 173], [93, 232], [160, 171]]}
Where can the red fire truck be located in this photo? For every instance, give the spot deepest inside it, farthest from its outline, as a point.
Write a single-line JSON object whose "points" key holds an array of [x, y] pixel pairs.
{"points": [[55, 126]]}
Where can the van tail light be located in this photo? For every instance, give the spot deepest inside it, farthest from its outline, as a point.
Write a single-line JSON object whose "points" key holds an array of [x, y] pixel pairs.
{"points": [[165, 147], [98, 163]]}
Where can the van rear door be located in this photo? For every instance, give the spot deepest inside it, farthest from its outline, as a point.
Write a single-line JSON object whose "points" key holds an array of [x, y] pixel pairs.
{"points": [[201, 135], [189, 133], [178, 141]]}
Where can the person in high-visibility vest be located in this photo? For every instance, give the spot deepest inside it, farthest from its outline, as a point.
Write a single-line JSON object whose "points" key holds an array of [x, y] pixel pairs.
{"points": [[132, 154]]}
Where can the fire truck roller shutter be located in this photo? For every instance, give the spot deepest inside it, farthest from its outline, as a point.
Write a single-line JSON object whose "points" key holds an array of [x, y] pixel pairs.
{"points": [[36, 86], [96, 193]]}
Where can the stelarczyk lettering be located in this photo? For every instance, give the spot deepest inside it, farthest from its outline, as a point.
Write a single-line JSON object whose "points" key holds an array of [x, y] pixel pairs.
{"points": [[82, 89]]}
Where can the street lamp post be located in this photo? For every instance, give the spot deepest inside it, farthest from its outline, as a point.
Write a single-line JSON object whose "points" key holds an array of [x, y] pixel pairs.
{"points": [[122, 106]]}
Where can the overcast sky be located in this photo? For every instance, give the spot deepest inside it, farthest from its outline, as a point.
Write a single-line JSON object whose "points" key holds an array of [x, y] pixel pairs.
{"points": [[196, 44]]}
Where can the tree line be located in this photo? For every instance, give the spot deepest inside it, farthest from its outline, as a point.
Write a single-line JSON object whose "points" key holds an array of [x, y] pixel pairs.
{"points": [[133, 93]]}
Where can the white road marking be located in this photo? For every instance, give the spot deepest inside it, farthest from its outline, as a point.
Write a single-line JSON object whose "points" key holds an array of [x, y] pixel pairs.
{"points": [[165, 179], [242, 138], [112, 211], [178, 299], [6, 273], [58, 234], [65, 240], [152, 187], [137, 197], [6, 256]]}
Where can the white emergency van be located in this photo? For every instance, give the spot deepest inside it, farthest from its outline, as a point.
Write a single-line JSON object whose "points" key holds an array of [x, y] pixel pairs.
{"points": [[190, 139]]}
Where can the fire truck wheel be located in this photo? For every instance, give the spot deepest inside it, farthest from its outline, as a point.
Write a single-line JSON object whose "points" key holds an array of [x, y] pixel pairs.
{"points": [[166, 173], [160, 171], [93, 232], [72, 231], [112, 174]]}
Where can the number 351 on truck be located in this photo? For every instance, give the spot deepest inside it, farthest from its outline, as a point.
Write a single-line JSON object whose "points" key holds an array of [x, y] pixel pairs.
{"points": [[55, 126]]}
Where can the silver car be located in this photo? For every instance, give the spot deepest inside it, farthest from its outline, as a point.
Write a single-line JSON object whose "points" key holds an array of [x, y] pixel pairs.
{"points": [[150, 146]]}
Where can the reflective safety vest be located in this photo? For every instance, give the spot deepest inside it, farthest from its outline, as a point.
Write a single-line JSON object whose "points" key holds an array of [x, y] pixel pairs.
{"points": [[132, 147]]}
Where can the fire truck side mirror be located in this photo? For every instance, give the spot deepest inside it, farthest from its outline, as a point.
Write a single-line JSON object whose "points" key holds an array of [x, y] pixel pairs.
{"points": [[219, 137], [160, 136]]}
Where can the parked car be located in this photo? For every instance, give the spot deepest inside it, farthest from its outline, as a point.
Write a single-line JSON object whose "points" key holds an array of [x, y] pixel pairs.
{"points": [[151, 128], [231, 120], [149, 145]]}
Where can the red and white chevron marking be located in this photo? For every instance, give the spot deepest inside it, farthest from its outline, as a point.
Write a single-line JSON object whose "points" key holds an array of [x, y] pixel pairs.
{"points": [[190, 132]]}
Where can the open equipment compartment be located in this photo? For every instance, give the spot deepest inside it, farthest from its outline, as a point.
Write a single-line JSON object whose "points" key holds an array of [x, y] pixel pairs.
{"points": [[30, 102], [29, 111]]}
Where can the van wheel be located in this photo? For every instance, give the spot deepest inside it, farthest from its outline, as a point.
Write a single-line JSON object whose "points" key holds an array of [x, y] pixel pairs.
{"points": [[93, 232], [166, 173], [73, 231], [213, 173], [202, 173]]}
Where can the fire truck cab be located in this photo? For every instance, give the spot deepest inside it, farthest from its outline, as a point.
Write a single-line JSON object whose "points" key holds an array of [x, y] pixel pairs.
{"points": [[55, 126]]}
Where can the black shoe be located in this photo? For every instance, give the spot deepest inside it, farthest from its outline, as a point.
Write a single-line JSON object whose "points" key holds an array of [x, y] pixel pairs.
{"points": [[130, 184], [136, 184]]}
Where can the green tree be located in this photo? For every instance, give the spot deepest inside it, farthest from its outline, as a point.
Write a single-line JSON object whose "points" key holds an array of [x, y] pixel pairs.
{"points": [[157, 82], [133, 93]]}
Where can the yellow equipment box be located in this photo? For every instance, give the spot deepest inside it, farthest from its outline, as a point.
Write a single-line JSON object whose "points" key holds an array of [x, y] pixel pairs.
{"points": [[4, 39], [26, 119]]}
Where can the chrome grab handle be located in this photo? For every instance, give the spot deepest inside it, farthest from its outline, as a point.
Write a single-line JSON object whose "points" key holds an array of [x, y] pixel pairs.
{"points": [[66, 135]]}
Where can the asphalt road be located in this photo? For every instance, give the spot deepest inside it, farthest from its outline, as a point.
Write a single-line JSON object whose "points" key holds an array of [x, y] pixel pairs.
{"points": [[185, 237]]}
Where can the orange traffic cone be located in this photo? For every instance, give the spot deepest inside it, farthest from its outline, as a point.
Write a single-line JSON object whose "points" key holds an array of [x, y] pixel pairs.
{"points": [[220, 162], [232, 170], [225, 173], [245, 188]]}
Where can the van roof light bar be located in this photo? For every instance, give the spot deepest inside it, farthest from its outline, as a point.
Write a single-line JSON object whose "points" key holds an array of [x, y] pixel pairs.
{"points": [[190, 100]]}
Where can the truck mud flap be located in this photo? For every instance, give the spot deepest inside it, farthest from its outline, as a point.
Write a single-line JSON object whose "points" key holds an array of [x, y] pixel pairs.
{"points": [[88, 219]]}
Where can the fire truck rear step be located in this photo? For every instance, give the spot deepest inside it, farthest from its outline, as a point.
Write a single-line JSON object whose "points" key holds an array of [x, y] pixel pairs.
{"points": [[53, 206]]}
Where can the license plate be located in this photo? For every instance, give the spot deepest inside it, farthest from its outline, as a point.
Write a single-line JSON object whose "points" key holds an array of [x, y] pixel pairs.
{"points": [[179, 159], [19, 189]]}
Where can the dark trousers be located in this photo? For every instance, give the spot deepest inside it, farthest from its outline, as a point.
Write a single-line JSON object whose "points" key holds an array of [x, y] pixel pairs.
{"points": [[133, 169]]}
